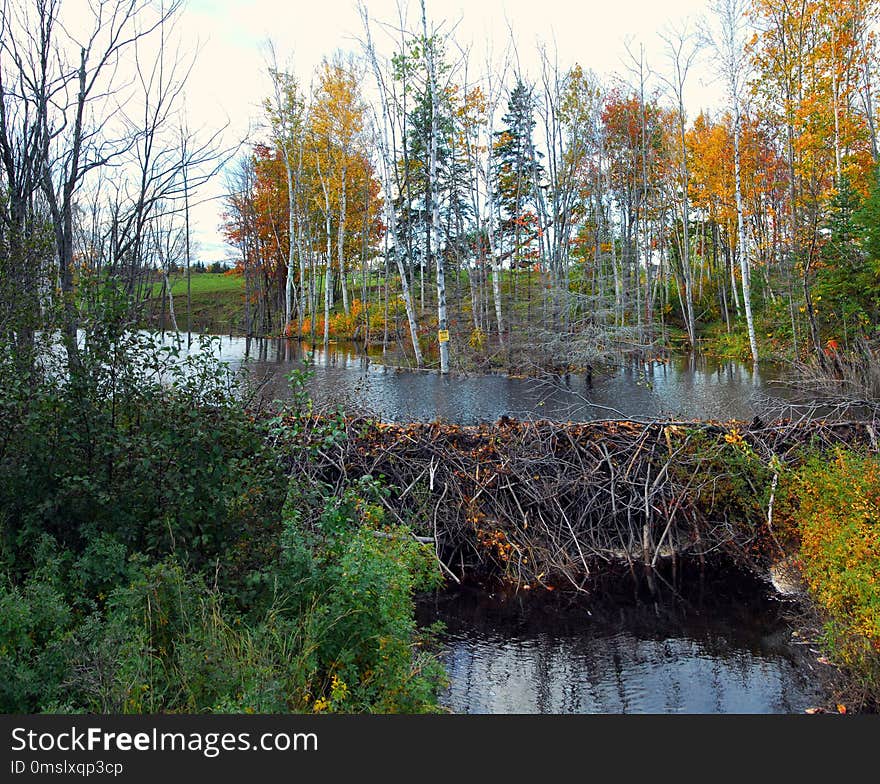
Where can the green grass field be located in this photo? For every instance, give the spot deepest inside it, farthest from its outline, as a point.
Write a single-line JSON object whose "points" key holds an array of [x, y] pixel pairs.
{"points": [[217, 301], [203, 283]]}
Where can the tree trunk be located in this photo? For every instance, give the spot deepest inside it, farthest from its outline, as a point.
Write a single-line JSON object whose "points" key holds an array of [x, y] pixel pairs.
{"points": [[741, 231], [343, 279], [442, 322]]}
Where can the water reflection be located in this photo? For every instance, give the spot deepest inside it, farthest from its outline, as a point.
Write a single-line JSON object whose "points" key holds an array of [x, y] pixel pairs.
{"points": [[693, 653], [686, 387]]}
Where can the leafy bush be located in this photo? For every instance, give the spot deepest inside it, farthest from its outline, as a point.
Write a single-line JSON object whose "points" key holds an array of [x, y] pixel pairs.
{"points": [[146, 563], [143, 448], [364, 574], [344, 327], [338, 633], [839, 520], [169, 643], [35, 623]]}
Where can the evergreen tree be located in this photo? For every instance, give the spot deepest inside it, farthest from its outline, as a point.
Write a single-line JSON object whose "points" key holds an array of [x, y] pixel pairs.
{"points": [[518, 170], [846, 283]]}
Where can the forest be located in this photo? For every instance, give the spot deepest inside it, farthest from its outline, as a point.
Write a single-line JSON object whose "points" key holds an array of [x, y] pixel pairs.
{"points": [[167, 544], [560, 217]]}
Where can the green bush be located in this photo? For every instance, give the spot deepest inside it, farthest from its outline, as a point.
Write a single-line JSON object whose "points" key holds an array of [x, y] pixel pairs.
{"points": [[364, 574], [338, 634], [146, 562], [35, 625], [140, 449], [169, 643]]}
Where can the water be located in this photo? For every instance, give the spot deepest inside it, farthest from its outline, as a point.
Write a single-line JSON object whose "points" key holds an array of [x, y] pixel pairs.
{"points": [[684, 387], [701, 649]]}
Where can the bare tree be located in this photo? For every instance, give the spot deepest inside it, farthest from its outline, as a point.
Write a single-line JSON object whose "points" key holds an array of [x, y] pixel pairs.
{"points": [[20, 261], [85, 95], [730, 48], [428, 47], [385, 137], [682, 49], [75, 103]]}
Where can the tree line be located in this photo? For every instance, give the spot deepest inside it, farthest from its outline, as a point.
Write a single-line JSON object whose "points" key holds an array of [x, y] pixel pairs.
{"points": [[410, 194], [568, 211], [155, 553]]}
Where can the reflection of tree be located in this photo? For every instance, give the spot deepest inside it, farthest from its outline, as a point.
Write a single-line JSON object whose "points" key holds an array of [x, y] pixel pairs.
{"points": [[687, 648]]}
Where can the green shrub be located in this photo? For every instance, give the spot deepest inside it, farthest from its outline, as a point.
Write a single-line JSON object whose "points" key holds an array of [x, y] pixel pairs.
{"points": [[35, 625], [142, 449], [146, 562], [339, 633], [364, 574], [169, 643]]}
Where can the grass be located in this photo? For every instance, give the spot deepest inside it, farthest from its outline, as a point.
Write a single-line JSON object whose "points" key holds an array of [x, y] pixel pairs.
{"points": [[217, 302], [204, 283], [716, 341]]}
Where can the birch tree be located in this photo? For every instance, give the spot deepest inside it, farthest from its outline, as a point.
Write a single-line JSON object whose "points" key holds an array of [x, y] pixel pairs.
{"points": [[682, 49], [730, 48], [442, 319], [385, 139], [286, 111]]}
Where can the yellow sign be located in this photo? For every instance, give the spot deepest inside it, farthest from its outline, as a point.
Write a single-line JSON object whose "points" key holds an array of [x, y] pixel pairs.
{"points": [[443, 335]]}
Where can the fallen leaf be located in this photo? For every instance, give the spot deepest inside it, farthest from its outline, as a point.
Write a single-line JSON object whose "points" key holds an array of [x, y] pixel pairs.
{"points": [[841, 708]]}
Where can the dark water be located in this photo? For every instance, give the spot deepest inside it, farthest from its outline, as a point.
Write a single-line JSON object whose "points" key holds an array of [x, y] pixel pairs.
{"points": [[685, 387], [705, 649]]}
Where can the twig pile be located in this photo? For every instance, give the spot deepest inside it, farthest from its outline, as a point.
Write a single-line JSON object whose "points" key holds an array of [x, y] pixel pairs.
{"points": [[540, 501]]}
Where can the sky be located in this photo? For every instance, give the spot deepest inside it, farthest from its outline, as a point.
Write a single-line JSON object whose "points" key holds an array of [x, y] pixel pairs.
{"points": [[229, 79]]}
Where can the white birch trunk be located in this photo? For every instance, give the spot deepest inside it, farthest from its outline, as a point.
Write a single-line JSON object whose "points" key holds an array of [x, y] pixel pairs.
{"points": [[745, 272], [291, 256], [442, 322], [170, 297], [387, 164], [340, 241], [732, 51]]}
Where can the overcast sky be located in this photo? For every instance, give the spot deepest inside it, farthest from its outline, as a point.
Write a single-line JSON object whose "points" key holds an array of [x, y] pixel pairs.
{"points": [[229, 79]]}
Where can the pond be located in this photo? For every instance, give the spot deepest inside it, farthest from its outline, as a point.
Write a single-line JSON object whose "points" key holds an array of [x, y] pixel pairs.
{"points": [[686, 387]]}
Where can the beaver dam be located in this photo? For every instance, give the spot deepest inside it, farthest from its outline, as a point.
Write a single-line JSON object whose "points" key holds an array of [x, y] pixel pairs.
{"points": [[550, 503]]}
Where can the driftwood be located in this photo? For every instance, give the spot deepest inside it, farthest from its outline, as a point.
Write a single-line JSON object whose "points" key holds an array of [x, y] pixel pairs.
{"points": [[540, 502]]}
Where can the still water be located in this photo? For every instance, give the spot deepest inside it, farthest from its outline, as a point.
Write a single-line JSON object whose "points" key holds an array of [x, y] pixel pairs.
{"points": [[685, 387], [720, 646]]}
